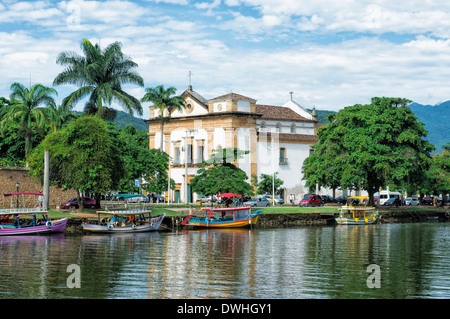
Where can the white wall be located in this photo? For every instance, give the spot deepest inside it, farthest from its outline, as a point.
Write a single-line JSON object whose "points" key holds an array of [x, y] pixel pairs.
{"points": [[291, 173]]}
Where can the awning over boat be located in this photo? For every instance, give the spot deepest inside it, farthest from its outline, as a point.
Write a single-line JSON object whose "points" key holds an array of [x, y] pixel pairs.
{"points": [[229, 195], [128, 195]]}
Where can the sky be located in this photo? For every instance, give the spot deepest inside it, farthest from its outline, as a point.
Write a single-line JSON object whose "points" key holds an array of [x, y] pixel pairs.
{"points": [[330, 54]]}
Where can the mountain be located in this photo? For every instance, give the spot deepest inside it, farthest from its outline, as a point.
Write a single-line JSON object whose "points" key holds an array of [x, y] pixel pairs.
{"points": [[124, 119], [437, 122]]}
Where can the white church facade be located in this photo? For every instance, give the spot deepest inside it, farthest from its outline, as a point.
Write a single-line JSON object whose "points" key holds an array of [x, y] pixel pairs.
{"points": [[279, 139]]}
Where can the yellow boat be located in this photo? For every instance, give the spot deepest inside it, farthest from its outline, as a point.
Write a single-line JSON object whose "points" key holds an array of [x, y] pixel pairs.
{"points": [[357, 215]]}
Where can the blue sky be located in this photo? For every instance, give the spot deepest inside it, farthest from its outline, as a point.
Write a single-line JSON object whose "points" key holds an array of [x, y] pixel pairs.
{"points": [[331, 54]]}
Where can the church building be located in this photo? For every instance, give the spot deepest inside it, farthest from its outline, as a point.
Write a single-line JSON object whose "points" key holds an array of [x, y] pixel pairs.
{"points": [[279, 139]]}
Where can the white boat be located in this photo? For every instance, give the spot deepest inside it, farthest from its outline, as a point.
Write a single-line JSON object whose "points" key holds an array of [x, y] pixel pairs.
{"points": [[124, 221], [357, 215]]}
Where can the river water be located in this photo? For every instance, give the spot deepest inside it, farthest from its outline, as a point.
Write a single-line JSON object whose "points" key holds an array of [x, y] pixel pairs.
{"points": [[378, 261]]}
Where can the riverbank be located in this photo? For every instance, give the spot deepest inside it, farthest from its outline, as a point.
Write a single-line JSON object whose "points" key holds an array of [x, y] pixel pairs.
{"points": [[283, 216]]}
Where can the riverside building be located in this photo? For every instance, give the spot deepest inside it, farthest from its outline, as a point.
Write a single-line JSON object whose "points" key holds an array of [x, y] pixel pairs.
{"points": [[279, 139]]}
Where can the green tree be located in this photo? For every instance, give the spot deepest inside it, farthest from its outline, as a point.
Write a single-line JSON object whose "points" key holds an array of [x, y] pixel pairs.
{"points": [[438, 176], [140, 161], [164, 102], [83, 156], [99, 75], [27, 111], [220, 175], [371, 146], [265, 182], [59, 116]]}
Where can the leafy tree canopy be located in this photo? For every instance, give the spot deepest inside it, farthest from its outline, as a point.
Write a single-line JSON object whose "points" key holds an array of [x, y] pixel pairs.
{"points": [[265, 182], [370, 146], [222, 176], [83, 156]]}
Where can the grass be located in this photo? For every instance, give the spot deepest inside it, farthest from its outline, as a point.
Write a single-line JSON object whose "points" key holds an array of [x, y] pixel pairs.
{"points": [[283, 209]]}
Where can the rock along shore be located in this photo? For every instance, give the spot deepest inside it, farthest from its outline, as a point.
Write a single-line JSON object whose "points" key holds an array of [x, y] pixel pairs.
{"points": [[298, 219]]}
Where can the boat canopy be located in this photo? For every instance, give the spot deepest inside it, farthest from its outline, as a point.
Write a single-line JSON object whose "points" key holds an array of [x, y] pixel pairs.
{"points": [[125, 212], [22, 213], [127, 195], [229, 195]]}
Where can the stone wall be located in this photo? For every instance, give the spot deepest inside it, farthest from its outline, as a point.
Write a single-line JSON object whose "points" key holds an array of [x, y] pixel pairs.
{"points": [[9, 176]]}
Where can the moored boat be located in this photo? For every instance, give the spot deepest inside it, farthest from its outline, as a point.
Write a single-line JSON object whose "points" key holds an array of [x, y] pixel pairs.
{"points": [[357, 215], [124, 221], [233, 217], [25, 221]]}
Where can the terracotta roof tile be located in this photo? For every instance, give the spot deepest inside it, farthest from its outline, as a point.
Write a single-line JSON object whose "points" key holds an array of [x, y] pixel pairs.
{"points": [[278, 113], [291, 136], [232, 96]]}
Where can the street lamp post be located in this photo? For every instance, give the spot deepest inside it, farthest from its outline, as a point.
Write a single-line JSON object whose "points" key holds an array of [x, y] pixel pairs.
{"points": [[168, 179], [273, 173], [186, 166]]}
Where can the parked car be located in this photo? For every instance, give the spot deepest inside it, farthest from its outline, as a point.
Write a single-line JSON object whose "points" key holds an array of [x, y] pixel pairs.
{"points": [[258, 202], [411, 201], [137, 198], [157, 198], [278, 200], [327, 198], [393, 202], [428, 200], [376, 200], [73, 203], [209, 199], [342, 200], [311, 200]]}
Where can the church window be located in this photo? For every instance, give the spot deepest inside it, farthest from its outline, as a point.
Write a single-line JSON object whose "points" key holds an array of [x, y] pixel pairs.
{"points": [[262, 125], [293, 128], [278, 127]]}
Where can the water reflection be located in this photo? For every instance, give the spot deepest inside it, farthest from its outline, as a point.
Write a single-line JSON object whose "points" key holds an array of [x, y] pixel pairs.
{"points": [[305, 262]]}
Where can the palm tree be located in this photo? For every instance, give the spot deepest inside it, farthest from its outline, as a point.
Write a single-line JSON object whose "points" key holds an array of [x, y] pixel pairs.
{"points": [[99, 75], [165, 103], [59, 116], [27, 111]]}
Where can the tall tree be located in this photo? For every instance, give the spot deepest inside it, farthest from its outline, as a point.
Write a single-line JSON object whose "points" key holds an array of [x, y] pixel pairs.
{"points": [[164, 102], [140, 161], [266, 184], [27, 110], [100, 75], [371, 146], [84, 156], [438, 176], [220, 175]]}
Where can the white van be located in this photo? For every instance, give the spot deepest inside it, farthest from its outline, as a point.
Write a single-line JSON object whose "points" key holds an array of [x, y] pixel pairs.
{"points": [[385, 195]]}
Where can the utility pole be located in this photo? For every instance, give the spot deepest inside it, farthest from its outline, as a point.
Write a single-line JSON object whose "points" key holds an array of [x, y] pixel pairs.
{"points": [[46, 179]]}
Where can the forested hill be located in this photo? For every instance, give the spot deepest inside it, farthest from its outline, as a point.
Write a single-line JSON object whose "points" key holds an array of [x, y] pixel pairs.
{"points": [[124, 119], [437, 122]]}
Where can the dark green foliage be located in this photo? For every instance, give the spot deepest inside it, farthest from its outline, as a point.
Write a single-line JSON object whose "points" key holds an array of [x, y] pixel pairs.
{"points": [[370, 146]]}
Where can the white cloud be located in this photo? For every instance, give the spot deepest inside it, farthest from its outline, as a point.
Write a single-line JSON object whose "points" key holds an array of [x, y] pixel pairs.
{"points": [[167, 44]]}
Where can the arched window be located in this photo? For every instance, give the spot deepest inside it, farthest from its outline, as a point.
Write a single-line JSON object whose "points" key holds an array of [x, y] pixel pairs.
{"points": [[278, 127], [262, 125], [293, 128]]}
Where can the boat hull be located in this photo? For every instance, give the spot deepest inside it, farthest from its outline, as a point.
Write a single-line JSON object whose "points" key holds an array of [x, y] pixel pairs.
{"points": [[352, 221], [225, 223], [153, 225], [55, 227]]}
